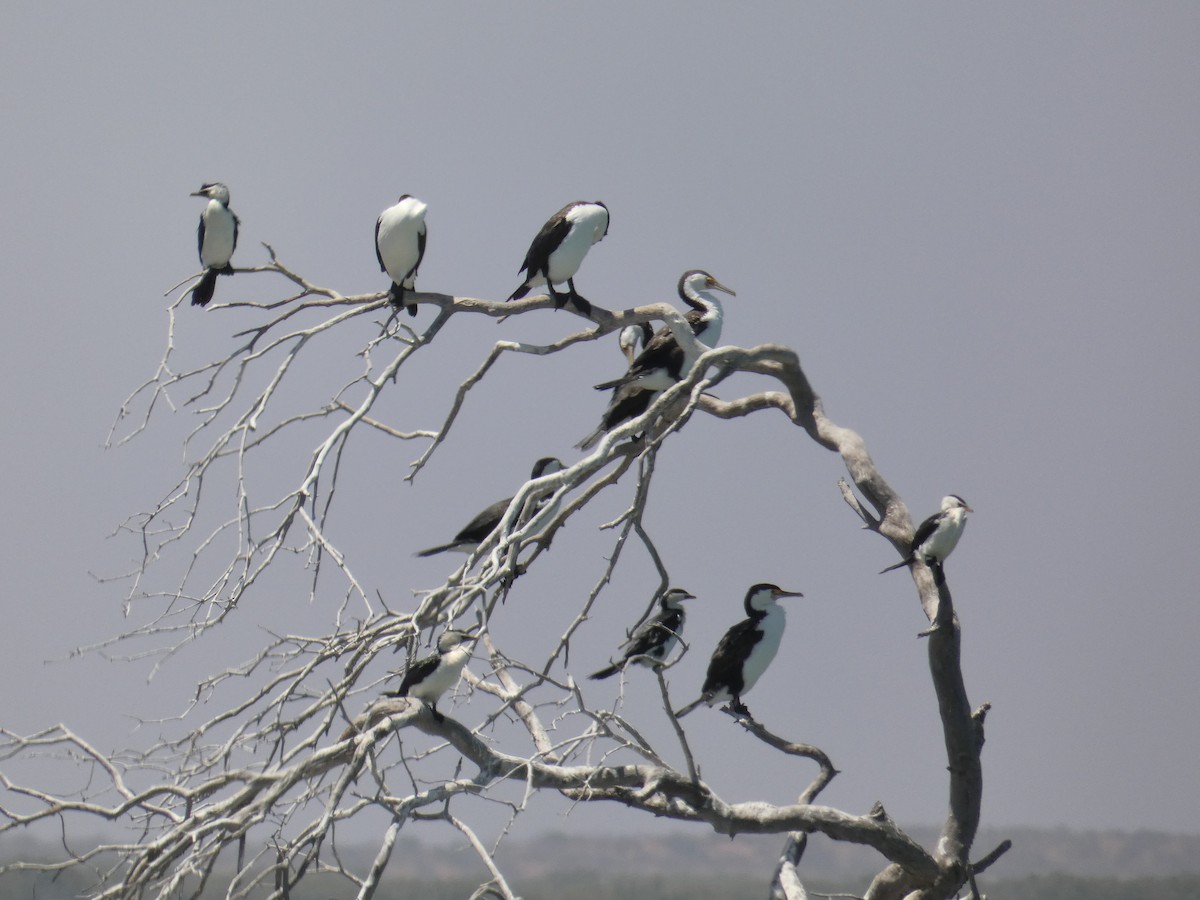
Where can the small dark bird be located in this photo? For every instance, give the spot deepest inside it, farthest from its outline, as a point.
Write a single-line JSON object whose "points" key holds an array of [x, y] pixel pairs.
{"points": [[627, 402], [400, 246], [217, 236], [937, 536], [745, 651], [486, 521], [559, 248], [652, 641], [431, 676]]}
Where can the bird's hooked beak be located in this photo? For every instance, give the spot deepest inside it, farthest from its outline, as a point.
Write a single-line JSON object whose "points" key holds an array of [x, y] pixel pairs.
{"points": [[780, 592], [198, 194], [714, 285]]}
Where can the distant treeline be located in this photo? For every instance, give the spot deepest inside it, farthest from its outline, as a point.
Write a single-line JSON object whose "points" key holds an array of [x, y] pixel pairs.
{"points": [[591, 886]]}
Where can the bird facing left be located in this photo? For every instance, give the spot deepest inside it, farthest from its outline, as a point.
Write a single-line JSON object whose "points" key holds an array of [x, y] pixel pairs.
{"points": [[217, 236]]}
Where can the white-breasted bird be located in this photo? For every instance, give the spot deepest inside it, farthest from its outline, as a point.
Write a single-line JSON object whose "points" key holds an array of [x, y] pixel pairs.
{"points": [[663, 361], [559, 248], [486, 521], [652, 641], [937, 536], [217, 236], [431, 676], [745, 651], [400, 246]]}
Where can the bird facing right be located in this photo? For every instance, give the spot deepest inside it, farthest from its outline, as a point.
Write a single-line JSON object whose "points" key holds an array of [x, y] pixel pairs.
{"points": [[558, 250], [936, 537], [431, 676], [487, 520], [745, 651], [652, 641]]}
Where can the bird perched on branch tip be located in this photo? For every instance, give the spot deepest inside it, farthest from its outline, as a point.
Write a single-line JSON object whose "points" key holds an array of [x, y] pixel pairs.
{"points": [[217, 237]]}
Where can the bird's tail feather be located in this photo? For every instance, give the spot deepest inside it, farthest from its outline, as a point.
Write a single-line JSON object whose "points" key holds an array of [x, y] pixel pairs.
{"points": [[590, 441], [684, 710], [520, 292], [203, 291], [430, 551], [606, 672], [899, 565]]}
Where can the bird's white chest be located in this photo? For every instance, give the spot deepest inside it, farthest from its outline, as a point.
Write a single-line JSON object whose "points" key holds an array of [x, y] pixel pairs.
{"points": [[945, 537], [586, 229], [444, 677], [400, 226], [764, 651], [219, 232]]}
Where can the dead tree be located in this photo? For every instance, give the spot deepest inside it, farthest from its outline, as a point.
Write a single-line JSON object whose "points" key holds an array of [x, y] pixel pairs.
{"points": [[303, 739]]}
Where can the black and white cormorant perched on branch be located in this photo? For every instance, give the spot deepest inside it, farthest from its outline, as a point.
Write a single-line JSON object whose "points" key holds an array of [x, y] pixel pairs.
{"points": [[559, 248], [745, 651], [400, 246], [431, 676], [652, 641], [217, 236], [662, 361], [487, 520], [937, 536]]}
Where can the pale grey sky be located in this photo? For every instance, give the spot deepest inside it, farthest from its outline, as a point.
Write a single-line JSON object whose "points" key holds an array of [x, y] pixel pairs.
{"points": [[977, 224]]}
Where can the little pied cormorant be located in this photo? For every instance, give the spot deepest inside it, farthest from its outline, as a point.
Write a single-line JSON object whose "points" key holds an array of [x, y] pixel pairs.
{"points": [[559, 248], [486, 521], [431, 676], [626, 403], [217, 236], [937, 536], [400, 246], [652, 641], [745, 651]]}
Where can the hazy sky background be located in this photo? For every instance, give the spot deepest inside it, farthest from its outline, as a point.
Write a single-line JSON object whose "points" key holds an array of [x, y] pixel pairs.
{"points": [[976, 224]]}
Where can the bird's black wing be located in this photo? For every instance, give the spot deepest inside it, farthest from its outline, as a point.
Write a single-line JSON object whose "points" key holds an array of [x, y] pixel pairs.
{"points": [[653, 633], [550, 236], [420, 249], [378, 254], [237, 224], [484, 523], [200, 239], [415, 674], [924, 531], [725, 668], [661, 352]]}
